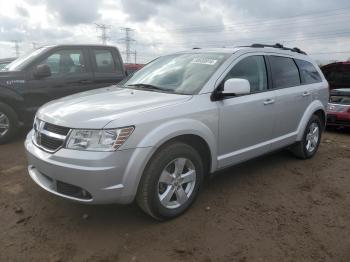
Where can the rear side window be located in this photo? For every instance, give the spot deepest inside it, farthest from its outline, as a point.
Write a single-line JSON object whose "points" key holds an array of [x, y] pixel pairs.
{"points": [[105, 62], [308, 73], [284, 72], [253, 69]]}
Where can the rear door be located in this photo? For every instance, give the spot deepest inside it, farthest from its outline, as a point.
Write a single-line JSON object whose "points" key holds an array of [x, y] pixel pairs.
{"points": [[292, 98], [107, 66]]}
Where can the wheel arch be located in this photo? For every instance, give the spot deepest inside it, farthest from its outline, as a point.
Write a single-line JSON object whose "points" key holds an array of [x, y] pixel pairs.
{"points": [[315, 108], [192, 132]]}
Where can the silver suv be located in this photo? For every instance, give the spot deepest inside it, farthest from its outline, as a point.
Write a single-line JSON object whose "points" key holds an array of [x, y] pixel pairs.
{"points": [[154, 137]]}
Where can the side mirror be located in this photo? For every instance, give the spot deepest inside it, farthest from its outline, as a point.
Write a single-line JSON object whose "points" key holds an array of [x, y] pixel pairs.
{"points": [[42, 71], [236, 86]]}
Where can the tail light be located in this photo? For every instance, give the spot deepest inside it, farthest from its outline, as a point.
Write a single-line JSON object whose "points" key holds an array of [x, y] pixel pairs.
{"points": [[348, 109]]}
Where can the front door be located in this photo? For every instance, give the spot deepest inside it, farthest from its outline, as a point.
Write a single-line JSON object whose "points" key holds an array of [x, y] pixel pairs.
{"points": [[246, 122], [70, 73]]}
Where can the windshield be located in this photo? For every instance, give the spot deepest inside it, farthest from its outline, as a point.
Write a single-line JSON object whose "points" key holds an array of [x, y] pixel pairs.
{"points": [[180, 73], [2, 65], [21, 62]]}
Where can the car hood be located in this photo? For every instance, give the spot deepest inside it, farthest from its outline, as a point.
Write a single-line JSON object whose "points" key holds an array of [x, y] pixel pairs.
{"points": [[95, 109]]}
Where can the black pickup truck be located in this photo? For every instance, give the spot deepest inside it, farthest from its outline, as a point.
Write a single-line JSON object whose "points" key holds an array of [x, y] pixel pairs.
{"points": [[49, 73]]}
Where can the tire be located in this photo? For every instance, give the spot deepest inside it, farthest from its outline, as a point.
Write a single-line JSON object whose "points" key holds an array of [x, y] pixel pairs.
{"points": [[7, 117], [159, 182], [304, 149]]}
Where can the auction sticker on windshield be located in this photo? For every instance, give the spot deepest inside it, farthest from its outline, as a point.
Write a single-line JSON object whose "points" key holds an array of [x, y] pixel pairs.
{"points": [[204, 61]]}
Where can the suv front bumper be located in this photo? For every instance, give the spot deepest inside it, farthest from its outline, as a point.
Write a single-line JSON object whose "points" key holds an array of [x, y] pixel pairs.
{"points": [[86, 176]]}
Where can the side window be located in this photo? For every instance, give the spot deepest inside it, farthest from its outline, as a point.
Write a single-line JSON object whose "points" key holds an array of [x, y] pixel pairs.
{"points": [[308, 72], [105, 62], [253, 69], [284, 72], [66, 62]]}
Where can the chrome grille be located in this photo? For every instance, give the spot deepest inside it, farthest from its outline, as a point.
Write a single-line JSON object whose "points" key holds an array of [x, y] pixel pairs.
{"points": [[56, 129], [49, 137]]}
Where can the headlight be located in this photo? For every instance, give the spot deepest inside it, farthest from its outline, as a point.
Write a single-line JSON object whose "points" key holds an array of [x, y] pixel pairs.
{"points": [[98, 140]]}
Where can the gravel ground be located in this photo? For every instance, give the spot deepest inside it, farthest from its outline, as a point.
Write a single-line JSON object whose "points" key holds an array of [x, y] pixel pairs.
{"points": [[274, 208]]}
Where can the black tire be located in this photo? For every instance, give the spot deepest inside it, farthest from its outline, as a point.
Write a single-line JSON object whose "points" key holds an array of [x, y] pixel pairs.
{"points": [[148, 193], [13, 123], [300, 148]]}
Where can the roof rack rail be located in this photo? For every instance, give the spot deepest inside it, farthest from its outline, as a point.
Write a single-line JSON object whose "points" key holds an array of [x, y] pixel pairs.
{"points": [[280, 46]]}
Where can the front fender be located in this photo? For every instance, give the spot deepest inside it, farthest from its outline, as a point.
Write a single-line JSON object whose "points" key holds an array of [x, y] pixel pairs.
{"points": [[313, 107], [10, 96], [171, 129], [147, 146]]}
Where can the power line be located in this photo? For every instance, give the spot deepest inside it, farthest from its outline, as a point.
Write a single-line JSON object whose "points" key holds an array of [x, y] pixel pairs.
{"points": [[103, 30], [191, 29], [330, 53]]}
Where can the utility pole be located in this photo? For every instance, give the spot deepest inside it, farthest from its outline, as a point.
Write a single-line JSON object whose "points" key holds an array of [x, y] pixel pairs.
{"points": [[16, 47], [103, 28], [127, 40]]}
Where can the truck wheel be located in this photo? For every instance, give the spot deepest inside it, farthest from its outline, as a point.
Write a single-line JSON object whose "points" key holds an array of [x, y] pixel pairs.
{"points": [[171, 181], [308, 146], [8, 123]]}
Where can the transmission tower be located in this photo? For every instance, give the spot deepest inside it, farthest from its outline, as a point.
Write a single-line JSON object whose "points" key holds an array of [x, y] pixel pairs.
{"points": [[35, 45], [16, 47], [103, 29], [127, 40]]}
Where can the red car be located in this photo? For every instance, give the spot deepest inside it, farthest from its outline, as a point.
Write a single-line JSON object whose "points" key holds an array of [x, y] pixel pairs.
{"points": [[337, 74], [132, 68], [338, 111]]}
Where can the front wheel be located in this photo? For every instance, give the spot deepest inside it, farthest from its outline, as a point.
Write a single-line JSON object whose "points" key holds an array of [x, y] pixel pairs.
{"points": [[307, 147], [8, 123], [171, 181]]}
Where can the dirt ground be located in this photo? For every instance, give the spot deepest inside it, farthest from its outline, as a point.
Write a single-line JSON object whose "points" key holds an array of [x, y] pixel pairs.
{"points": [[275, 208]]}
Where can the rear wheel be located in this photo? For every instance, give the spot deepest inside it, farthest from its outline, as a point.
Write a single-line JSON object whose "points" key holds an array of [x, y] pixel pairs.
{"points": [[8, 123], [171, 181], [308, 146]]}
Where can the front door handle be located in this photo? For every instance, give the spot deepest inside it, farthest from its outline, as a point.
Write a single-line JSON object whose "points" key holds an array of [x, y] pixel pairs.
{"points": [[269, 101], [306, 93]]}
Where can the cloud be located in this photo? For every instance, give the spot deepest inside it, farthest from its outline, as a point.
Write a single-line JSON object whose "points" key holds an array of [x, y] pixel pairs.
{"points": [[22, 11], [165, 26], [74, 12], [142, 10]]}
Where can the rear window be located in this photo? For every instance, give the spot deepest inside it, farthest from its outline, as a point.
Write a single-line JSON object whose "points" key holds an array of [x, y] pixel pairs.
{"points": [[105, 62], [284, 72], [308, 73]]}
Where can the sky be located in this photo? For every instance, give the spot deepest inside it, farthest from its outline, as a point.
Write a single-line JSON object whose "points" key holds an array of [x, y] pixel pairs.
{"points": [[319, 27]]}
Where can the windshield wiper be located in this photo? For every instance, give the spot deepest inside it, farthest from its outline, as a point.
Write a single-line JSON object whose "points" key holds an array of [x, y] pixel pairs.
{"points": [[152, 87]]}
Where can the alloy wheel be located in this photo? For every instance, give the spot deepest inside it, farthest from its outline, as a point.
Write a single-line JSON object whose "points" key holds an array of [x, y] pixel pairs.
{"points": [[4, 124], [176, 183], [312, 137]]}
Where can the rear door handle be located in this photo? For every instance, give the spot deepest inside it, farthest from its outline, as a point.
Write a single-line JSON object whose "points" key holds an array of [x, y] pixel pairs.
{"points": [[306, 93], [269, 101]]}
